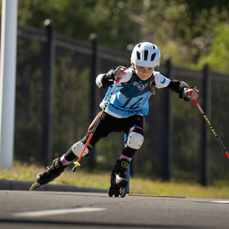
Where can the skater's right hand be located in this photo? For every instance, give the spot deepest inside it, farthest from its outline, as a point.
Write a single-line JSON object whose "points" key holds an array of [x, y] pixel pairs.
{"points": [[120, 72]]}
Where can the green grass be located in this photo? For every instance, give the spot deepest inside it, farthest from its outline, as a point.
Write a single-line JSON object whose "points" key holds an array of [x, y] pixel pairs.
{"points": [[26, 172]]}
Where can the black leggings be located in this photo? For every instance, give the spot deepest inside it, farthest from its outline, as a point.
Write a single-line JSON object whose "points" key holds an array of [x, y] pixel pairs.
{"points": [[108, 124]]}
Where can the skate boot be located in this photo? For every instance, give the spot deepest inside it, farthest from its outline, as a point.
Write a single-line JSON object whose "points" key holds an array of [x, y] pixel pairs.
{"points": [[49, 174], [118, 179]]}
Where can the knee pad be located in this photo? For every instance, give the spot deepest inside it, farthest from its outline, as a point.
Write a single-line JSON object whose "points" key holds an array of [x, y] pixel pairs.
{"points": [[78, 147], [135, 140]]}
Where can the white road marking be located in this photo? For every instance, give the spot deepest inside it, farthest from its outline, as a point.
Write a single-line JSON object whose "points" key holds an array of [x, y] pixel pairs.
{"points": [[220, 201], [56, 212]]}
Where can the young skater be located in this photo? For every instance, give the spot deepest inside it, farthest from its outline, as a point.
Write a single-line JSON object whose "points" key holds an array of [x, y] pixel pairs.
{"points": [[124, 113]]}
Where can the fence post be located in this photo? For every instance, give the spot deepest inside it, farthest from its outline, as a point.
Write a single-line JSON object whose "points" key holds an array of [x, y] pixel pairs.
{"points": [[169, 124], [47, 133], [93, 89], [205, 148]]}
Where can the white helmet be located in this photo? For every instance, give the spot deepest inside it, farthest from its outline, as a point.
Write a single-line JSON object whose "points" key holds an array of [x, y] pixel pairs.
{"points": [[146, 54]]}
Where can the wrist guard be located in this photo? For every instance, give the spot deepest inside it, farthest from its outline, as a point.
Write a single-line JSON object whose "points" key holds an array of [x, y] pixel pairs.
{"points": [[109, 78]]}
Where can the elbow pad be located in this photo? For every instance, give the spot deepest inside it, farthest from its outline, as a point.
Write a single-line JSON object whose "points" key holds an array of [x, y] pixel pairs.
{"points": [[99, 80]]}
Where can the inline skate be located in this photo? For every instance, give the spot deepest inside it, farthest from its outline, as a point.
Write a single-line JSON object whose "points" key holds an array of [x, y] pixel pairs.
{"points": [[49, 174], [118, 179]]}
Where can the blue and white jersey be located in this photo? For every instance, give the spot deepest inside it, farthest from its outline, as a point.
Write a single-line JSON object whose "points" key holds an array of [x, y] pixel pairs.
{"points": [[132, 94]]}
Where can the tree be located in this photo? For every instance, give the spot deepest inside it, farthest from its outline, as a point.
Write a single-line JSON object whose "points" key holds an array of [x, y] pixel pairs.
{"points": [[218, 56], [182, 29]]}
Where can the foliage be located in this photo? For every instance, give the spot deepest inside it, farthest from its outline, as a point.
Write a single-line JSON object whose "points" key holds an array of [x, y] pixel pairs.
{"points": [[218, 56], [100, 180], [182, 29]]}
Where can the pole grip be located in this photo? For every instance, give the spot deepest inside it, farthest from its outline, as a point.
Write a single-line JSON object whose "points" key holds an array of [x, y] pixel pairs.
{"points": [[118, 78], [195, 102]]}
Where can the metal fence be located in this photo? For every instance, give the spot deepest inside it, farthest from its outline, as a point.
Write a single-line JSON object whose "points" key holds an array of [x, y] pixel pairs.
{"points": [[56, 99]]}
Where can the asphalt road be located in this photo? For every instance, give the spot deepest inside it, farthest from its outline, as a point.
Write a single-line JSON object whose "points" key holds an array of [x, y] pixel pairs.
{"points": [[24, 209]]}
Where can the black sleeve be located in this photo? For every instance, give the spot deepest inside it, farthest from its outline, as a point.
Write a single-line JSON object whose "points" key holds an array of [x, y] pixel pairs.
{"points": [[178, 87]]}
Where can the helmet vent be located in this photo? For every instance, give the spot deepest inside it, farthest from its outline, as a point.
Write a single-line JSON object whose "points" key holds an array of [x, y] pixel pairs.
{"points": [[146, 54], [154, 47], [153, 56], [138, 55]]}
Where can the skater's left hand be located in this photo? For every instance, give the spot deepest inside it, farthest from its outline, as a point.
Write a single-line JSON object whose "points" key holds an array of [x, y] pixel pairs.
{"points": [[193, 93]]}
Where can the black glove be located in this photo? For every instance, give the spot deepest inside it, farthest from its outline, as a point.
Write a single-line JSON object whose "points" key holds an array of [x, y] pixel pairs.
{"points": [[110, 77]]}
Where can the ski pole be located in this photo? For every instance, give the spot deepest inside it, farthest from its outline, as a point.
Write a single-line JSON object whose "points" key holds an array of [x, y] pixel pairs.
{"points": [[76, 163], [195, 102]]}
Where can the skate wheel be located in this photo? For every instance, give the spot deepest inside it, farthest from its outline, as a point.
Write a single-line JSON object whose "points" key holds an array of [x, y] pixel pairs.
{"points": [[111, 192], [116, 193], [122, 192], [34, 186]]}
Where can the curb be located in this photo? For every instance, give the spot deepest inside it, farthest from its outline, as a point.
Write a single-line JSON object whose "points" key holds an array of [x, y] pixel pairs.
{"points": [[25, 185]]}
